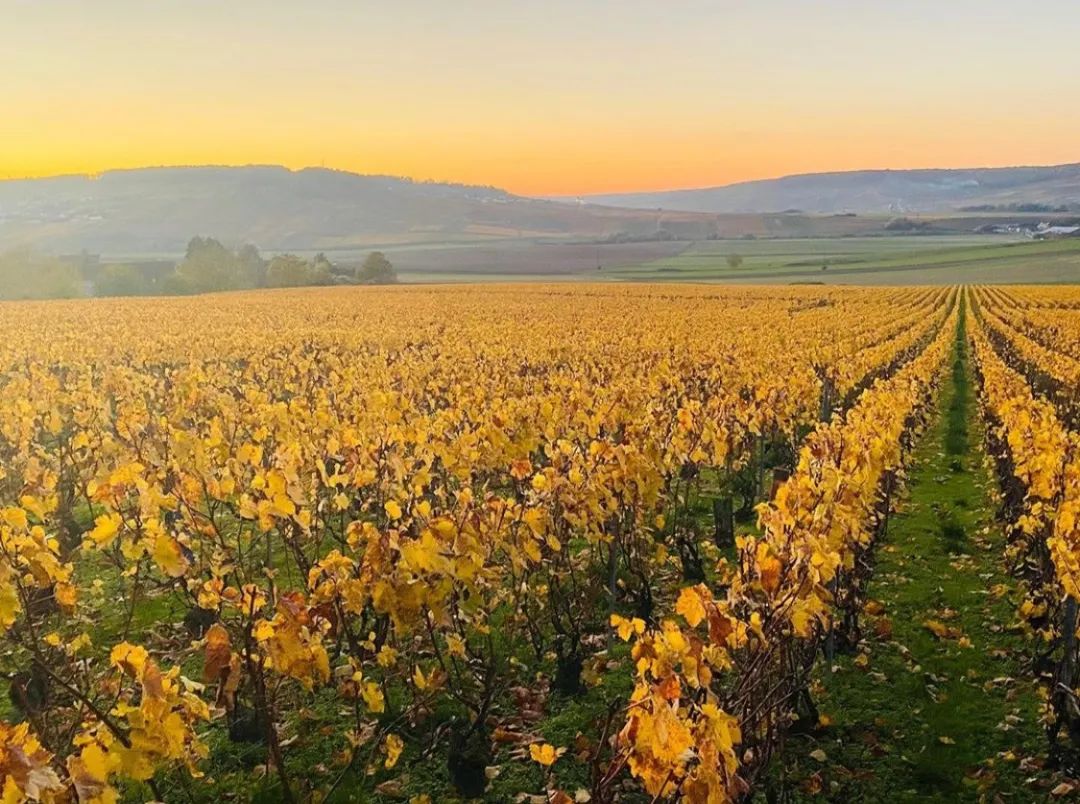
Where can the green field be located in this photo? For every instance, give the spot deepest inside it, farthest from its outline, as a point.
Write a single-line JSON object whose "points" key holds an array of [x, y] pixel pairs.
{"points": [[903, 260], [940, 259]]}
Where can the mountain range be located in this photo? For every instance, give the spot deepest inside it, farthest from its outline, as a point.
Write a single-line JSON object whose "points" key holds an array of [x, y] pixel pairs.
{"points": [[156, 210], [874, 191]]}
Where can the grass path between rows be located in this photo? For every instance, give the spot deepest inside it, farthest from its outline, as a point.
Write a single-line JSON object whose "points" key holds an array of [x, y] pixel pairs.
{"points": [[915, 715]]}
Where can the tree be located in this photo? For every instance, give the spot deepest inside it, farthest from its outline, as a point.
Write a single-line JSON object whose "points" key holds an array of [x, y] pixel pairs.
{"points": [[288, 271], [121, 280], [208, 267], [26, 275], [904, 225], [252, 266], [734, 260], [321, 270], [175, 285], [376, 270]]}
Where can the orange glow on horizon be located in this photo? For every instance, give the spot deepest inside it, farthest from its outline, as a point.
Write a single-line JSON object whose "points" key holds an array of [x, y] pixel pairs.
{"points": [[553, 98], [554, 161]]}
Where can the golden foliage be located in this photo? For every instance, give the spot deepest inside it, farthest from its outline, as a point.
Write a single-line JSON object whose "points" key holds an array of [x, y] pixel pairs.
{"points": [[353, 490]]}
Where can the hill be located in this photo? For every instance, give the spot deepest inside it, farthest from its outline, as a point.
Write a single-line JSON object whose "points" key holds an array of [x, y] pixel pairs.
{"points": [[156, 210], [877, 191]]}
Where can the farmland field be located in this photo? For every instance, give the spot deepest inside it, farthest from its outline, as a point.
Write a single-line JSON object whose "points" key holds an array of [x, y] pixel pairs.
{"points": [[543, 542], [525, 260], [878, 260], [864, 260], [903, 260]]}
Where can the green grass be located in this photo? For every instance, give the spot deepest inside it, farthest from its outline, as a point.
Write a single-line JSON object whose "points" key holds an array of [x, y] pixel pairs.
{"points": [[956, 427], [928, 719], [901, 260]]}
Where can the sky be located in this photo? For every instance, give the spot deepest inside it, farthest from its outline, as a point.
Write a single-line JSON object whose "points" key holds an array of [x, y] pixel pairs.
{"points": [[559, 97]]}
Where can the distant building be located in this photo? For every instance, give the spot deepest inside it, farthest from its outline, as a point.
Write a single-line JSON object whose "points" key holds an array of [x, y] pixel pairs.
{"points": [[1046, 231]]}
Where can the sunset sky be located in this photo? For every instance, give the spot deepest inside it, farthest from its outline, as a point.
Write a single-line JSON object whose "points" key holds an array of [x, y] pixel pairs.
{"points": [[552, 97]]}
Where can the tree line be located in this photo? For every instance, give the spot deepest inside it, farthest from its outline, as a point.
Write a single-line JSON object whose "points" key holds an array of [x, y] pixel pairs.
{"points": [[208, 266]]}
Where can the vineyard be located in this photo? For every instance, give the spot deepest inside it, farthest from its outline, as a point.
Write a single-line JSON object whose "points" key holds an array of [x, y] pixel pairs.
{"points": [[534, 543]]}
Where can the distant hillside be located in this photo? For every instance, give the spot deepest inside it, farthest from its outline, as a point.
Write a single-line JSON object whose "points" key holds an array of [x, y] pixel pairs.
{"points": [[874, 191], [156, 210]]}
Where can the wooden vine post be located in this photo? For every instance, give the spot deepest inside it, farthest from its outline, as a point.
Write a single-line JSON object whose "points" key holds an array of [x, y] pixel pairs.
{"points": [[724, 522], [1064, 697]]}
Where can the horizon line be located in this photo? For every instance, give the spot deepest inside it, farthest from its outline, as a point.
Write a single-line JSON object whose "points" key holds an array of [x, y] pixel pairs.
{"points": [[93, 175]]}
